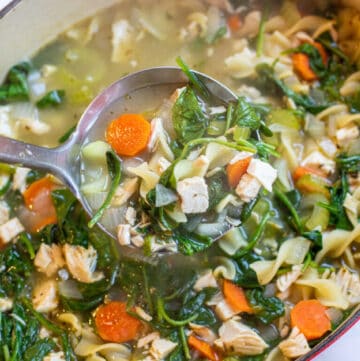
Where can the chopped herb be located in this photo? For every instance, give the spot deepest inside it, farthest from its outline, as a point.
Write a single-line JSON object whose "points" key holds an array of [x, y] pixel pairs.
{"points": [[52, 99]]}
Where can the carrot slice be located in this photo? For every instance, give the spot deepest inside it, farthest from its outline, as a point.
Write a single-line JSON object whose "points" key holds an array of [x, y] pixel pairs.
{"points": [[310, 317], [236, 170], [129, 134], [301, 171], [114, 324], [301, 63], [203, 347], [236, 298], [234, 22], [37, 198]]}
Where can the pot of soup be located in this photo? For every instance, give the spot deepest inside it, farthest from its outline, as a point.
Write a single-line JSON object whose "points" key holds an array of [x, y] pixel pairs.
{"points": [[240, 216]]}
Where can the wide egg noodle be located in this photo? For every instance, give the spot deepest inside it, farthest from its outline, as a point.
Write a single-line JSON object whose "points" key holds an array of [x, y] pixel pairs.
{"points": [[219, 155], [335, 242], [226, 268], [327, 291], [291, 252], [90, 345], [149, 179]]}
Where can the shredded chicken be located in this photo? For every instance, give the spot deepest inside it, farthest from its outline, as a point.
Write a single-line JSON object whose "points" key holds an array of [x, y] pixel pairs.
{"points": [[349, 283], [295, 345], [284, 281]]}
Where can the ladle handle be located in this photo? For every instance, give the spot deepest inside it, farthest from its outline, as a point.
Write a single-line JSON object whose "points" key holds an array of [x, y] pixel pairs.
{"points": [[55, 161]]}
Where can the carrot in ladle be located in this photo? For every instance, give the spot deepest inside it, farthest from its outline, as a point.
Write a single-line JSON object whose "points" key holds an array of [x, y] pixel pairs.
{"points": [[129, 134]]}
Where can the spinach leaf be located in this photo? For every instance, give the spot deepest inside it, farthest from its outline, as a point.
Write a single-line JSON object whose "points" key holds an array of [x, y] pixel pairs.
{"points": [[338, 191], [195, 303], [195, 81], [39, 350], [269, 81], [51, 99], [291, 200], [218, 188], [114, 169], [245, 115], [349, 163], [189, 119], [315, 237], [189, 243], [15, 87], [15, 270], [67, 135], [245, 275], [267, 309]]}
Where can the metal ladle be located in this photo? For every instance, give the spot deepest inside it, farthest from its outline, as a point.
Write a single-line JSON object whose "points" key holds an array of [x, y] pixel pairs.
{"points": [[64, 161]]}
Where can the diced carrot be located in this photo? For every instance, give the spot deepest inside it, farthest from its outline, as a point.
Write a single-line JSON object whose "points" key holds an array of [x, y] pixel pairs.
{"points": [[300, 171], [234, 22], [236, 170], [310, 317], [236, 298], [301, 63], [114, 324], [38, 200], [204, 348], [129, 134]]}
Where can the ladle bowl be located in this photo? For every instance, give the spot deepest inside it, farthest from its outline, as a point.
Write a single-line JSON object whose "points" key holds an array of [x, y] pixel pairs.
{"points": [[64, 161]]}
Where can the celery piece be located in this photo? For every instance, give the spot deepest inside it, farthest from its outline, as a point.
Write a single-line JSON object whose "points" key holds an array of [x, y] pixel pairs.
{"points": [[285, 117], [241, 133], [309, 183], [319, 218], [96, 151]]}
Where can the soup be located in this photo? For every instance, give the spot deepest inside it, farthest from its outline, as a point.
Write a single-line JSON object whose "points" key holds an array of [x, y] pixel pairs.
{"points": [[255, 202]]}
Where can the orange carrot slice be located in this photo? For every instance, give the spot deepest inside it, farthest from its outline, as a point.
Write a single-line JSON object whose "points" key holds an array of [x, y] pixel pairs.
{"points": [[310, 317], [37, 198], [204, 348], [234, 22], [129, 134], [114, 324], [236, 170], [236, 298]]}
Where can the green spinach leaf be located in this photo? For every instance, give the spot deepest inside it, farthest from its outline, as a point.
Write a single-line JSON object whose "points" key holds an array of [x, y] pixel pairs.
{"points": [[189, 119], [52, 99], [267, 309]]}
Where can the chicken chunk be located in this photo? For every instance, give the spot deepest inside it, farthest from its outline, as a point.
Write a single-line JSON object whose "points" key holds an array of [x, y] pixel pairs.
{"points": [[284, 281], [295, 345], [45, 297], [205, 280], [81, 263], [55, 356], [160, 348], [19, 180], [248, 188], [240, 339], [317, 160], [263, 172], [10, 230], [194, 195], [49, 259], [123, 234], [4, 212], [6, 304]]}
